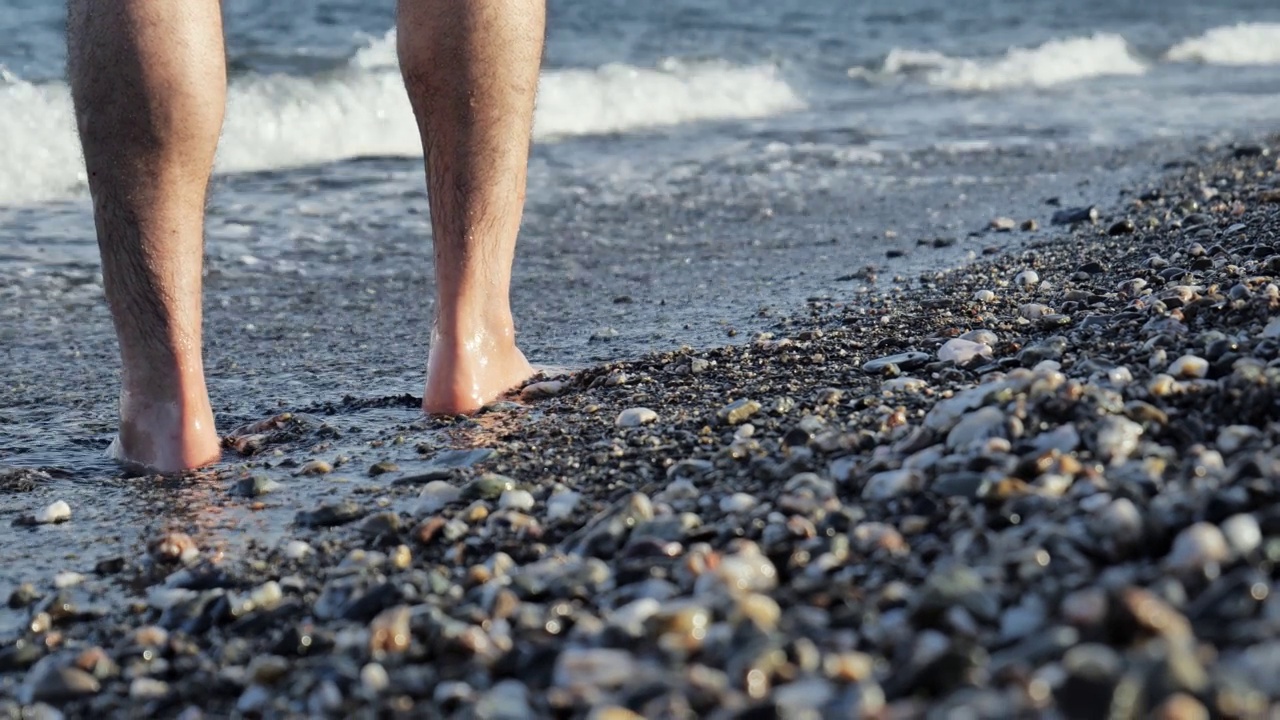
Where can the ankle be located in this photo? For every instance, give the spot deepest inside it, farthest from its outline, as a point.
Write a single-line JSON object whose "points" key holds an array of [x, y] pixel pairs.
{"points": [[466, 329]]}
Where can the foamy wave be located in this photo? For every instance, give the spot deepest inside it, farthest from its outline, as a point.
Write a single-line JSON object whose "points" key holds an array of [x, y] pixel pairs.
{"points": [[1243, 44], [1053, 63], [284, 121]]}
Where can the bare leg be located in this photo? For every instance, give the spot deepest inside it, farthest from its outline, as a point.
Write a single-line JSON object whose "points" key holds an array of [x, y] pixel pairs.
{"points": [[149, 81], [471, 69]]}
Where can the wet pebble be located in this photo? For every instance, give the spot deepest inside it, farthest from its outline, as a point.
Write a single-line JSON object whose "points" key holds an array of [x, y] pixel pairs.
{"points": [[903, 361], [1189, 367], [56, 512]]}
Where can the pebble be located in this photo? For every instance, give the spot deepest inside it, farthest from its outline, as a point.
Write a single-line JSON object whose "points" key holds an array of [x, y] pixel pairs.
{"points": [[1027, 278], [593, 667], [297, 549], [904, 385], [891, 484], [516, 500], [964, 352], [738, 411], [903, 361], [561, 505], [1197, 548], [1117, 439], [1003, 224], [374, 678], [436, 496], [316, 467], [542, 390], [635, 417], [1189, 367], [984, 296], [1243, 533], [145, 688], [738, 503], [56, 512]]}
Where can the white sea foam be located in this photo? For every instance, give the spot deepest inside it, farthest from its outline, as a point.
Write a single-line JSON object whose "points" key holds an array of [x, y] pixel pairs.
{"points": [[284, 121], [1053, 63], [1243, 44]]}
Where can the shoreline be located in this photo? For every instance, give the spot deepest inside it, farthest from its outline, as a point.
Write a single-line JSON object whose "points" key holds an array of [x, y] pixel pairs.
{"points": [[791, 530]]}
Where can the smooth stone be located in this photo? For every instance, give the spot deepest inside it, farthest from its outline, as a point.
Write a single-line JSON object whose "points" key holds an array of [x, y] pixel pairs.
{"points": [[1116, 439], [1003, 224], [374, 678], [904, 384], [544, 389], [331, 514], [738, 503], [1189, 367], [516, 500], [904, 361], [1027, 278], [1243, 533], [56, 512], [977, 426], [737, 412], [1272, 329], [635, 417], [593, 668], [562, 504], [964, 352], [436, 495], [981, 335], [488, 486], [255, 486], [506, 700], [297, 549], [891, 484], [984, 296], [145, 688], [1233, 437], [1198, 547]]}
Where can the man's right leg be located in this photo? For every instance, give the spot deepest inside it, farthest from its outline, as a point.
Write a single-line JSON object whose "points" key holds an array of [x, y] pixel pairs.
{"points": [[148, 78]]}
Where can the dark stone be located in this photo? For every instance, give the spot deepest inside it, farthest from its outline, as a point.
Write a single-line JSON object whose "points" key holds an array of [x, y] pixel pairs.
{"points": [[1076, 215]]}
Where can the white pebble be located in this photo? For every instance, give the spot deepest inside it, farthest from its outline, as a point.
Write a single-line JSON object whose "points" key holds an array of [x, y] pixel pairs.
{"points": [[1233, 437], [516, 500], [962, 352], [1026, 278], [1243, 533], [296, 550], [890, 484], [67, 578], [436, 495], [145, 688], [1189, 366], [374, 678], [635, 417], [562, 504], [737, 503], [57, 512], [1034, 311], [1198, 547], [984, 296]]}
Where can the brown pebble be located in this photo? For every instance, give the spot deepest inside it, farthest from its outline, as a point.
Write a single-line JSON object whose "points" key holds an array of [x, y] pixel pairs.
{"points": [[389, 631], [1181, 706], [427, 530]]}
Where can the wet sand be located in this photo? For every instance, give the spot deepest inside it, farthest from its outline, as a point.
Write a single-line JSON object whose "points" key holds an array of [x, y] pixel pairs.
{"points": [[1078, 522]]}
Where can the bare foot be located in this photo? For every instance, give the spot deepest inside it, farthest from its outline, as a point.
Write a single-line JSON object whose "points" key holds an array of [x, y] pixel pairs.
{"points": [[165, 436], [464, 375]]}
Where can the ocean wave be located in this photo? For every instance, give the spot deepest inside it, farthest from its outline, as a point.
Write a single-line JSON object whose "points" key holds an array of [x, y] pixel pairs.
{"points": [[1242, 44], [282, 121], [1053, 63]]}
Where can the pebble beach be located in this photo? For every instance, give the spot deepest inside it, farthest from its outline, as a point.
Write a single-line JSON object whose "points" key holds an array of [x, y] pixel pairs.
{"points": [[1042, 484]]}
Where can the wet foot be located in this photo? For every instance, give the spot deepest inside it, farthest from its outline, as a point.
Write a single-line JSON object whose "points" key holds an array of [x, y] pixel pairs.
{"points": [[464, 376], [165, 437]]}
